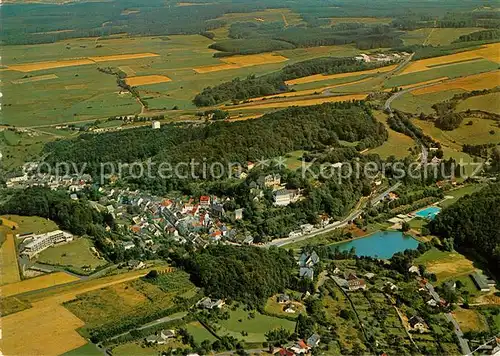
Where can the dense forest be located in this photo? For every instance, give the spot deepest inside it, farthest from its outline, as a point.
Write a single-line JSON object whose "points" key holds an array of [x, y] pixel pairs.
{"points": [[42, 23], [472, 224], [275, 134], [247, 274], [274, 83]]}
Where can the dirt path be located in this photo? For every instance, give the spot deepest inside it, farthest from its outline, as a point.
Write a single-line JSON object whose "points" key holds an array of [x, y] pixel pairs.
{"points": [[284, 19]]}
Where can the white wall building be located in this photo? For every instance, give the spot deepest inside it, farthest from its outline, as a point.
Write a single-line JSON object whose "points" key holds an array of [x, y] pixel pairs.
{"points": [[156, 125], [43, 241]]}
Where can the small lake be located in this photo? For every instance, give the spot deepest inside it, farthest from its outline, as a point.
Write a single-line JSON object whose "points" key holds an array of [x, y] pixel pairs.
{"points": [[382, 244]]}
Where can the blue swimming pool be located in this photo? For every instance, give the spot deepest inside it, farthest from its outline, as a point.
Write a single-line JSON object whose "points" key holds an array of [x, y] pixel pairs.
{"points": [[428, 213], [382, 244]]}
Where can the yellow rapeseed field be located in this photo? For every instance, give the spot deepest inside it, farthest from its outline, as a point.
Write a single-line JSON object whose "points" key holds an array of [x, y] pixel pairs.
{"points": [[9, 270], [319, 77], [472, 82], [490, 52], [28, 285], [147, 79]]}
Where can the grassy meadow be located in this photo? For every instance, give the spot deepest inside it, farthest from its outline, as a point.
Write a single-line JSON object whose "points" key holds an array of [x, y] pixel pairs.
{"points": [[76, 255]]}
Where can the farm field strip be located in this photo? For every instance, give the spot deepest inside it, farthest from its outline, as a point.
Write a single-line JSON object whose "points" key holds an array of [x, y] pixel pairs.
{"points": [[32, 67], [302, 102], [490, 52], [147, 79], [308, 91], [35, 79], [236, 62], [409, 86], [9, 270], [486, 80], [319, 77], [36, 283]]}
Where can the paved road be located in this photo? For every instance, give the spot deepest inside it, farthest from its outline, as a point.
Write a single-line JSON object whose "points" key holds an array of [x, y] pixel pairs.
{"points": [[336, 225], [464, 345]]}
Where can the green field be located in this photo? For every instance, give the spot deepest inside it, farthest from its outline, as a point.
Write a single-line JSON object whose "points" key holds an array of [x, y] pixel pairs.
{"points": [[85, 350], [138, 348], [460, 192], [450, 71], [28, 149], [436, 36], [34, 224], [423, 103], [199, 332], [75, 254], [489, 102], [84, 93], [256, 327], [476, 134], [397, 144]]}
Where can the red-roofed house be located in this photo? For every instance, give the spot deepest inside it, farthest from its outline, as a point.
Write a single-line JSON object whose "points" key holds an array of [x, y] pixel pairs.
{"points": [[205, 201]]}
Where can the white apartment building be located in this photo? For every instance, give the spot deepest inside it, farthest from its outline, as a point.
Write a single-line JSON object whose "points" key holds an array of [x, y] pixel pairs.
{"points": [[43, 241]]}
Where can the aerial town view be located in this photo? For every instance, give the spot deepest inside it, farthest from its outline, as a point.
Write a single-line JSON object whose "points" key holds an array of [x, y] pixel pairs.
{"points": [[249, 177]]}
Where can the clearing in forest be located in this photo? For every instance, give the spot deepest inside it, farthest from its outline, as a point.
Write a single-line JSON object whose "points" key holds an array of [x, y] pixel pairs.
{"points": [[319, 77], [235, 62]]}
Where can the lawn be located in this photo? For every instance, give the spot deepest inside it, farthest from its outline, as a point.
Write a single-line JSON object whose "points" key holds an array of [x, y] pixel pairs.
{"points": [[273, 307], [445, 264], [75, 254], [489, 102], [256, 327], [199, 332]]}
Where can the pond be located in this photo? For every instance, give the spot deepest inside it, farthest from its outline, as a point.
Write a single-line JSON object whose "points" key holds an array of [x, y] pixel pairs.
{"points": [[382, 244]]}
